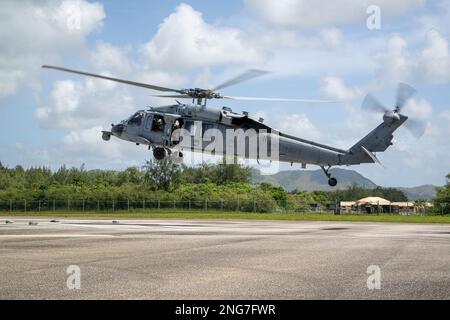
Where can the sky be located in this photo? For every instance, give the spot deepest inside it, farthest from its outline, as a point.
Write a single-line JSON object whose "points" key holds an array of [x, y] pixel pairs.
{"points": [[338, 50]]}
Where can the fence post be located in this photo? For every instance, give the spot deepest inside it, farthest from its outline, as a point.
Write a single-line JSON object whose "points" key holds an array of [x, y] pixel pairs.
{"points": [[10, 205], [174, 204], [83, 205], [206, 204], [113, 205], [254, 205], [238, 204], [128, 204], [39, 205], [143, 204], [25, 205], [98, 205], [54, 207], [159, 204], [221, 204], [189, 204], [68, 204]]}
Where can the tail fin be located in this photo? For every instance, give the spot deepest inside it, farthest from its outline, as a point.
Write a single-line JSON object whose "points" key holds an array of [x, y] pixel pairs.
{"points": [[378, 140]]}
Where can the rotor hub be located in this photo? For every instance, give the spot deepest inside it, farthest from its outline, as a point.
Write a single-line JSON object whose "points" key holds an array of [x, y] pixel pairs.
{"points": [[391, 117], [199, 93]]}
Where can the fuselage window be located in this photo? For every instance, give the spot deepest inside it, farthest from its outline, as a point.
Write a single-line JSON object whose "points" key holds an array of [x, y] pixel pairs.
{"points": [[158, 123]]}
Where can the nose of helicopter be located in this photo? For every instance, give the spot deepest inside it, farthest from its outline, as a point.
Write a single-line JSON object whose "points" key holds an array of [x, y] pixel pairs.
{"points": [[117, 129]]}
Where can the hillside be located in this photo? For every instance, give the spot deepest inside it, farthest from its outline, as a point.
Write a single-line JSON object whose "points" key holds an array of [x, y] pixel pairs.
{"points": [[425, 192], [315, 180]]}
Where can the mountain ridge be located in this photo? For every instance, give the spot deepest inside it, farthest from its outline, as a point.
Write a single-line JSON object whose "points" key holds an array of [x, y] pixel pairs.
{"points": [[312, 180]]}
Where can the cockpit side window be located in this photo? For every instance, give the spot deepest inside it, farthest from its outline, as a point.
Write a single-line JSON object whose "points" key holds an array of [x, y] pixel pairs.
{"points": [[136, 119], [148, 122], [158, 123]]}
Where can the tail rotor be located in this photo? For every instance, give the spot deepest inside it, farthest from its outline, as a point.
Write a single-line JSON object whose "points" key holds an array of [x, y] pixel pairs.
{"points": [[404, 92]]}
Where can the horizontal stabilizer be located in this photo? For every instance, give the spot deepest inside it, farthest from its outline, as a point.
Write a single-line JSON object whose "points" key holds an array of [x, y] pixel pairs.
{"points": [[371, 155]]}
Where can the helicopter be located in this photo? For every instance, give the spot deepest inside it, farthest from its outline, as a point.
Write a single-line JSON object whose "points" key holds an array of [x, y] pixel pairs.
{"points": [[171, 130]]}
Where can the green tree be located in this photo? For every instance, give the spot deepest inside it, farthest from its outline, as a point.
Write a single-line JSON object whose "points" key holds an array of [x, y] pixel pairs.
{"points": [[163, 174], [442, 200]]}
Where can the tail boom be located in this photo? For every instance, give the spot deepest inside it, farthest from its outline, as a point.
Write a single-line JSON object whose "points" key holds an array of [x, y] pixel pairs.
{"points": [[378, 140]]}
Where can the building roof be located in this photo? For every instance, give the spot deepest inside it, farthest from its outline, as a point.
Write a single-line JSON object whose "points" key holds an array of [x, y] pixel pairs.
{"points": [[347, 203], [373, 201], [403, 204]]}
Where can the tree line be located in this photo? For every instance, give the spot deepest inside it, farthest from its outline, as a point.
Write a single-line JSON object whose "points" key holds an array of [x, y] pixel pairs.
{"points": [[168, 181], [442, 200]]}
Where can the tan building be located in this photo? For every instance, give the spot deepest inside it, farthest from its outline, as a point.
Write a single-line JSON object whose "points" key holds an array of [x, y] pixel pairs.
{"points": [[347, 206], [380, 205], [373, 205]]}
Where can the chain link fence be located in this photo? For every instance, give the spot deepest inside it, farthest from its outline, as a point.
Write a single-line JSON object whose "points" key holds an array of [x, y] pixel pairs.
{"points": [[154, 205], [111, 205]]}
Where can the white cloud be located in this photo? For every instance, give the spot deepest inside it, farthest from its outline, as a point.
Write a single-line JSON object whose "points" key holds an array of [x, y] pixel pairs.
{"points": [[184, 40], [420, 109], [312, 14], [335, 88], [297, 124], [331, 37], [394, 62], [80, 105], [33, 33], [105, 56], [434, 62], [431, 64], [77, 147], [88, 144]]}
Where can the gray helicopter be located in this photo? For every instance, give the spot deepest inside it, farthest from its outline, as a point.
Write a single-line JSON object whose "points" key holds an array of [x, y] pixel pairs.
{"points": [[194, 127]]}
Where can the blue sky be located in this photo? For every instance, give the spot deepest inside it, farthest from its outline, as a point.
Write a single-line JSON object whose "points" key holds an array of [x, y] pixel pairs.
{"points": [[314, 49]]}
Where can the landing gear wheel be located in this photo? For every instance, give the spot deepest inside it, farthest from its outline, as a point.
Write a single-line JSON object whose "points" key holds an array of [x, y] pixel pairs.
{"points": [[332, 182], [159, 153]]}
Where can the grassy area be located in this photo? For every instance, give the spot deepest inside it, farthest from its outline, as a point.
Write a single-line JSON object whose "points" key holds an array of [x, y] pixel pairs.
{"points": [[232, 215]]}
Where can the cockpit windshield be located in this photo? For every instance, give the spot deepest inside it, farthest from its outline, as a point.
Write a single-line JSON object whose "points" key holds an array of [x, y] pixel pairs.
{"points": [[136, 119]]}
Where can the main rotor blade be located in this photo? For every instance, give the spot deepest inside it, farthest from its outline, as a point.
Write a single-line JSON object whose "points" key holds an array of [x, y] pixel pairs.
{"points": [[416, 127], [404, 92], [370, 103], [279, 99], [133, 83], [179, 96], [249, 74]]}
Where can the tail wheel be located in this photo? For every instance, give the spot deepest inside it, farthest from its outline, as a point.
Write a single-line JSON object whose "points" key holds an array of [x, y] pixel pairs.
{"points": [[159, 153], [332, 182]]}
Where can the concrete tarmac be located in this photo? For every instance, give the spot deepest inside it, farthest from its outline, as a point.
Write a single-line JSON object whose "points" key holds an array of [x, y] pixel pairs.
{"points": [[210, 259]]}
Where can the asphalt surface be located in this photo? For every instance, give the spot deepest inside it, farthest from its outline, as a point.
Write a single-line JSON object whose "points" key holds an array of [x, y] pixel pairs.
{"points": [[178, 259]]}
